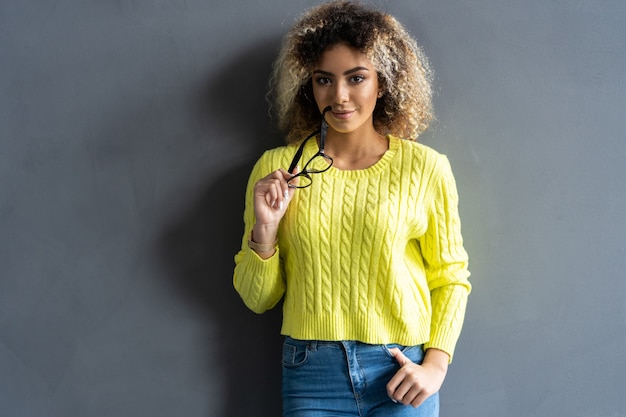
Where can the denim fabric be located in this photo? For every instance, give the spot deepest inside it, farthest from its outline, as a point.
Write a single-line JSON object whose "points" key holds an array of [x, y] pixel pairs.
{"points": [[328, 379]]}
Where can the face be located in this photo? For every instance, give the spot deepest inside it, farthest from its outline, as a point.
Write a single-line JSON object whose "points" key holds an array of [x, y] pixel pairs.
{"points": [[346, 80]]}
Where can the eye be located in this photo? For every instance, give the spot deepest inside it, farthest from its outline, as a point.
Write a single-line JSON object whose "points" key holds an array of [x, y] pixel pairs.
{"points": [[356, 79], [322, 80]]}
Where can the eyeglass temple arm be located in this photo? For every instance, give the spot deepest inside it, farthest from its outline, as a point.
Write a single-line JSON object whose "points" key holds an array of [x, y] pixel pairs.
{"points": [[298, 155], [324, 129], [322, 132]]}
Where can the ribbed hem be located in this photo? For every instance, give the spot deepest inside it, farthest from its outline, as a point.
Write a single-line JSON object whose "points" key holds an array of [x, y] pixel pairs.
{"points": [[445, 342], [364, 328], [263, 287]]}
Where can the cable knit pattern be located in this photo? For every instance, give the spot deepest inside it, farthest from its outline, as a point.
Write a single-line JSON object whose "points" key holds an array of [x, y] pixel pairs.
{"points": [[346, 242], [374, 255]]}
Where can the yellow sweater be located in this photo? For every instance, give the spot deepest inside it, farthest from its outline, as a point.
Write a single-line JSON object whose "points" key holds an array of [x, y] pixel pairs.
{"points": [[374, 255]]}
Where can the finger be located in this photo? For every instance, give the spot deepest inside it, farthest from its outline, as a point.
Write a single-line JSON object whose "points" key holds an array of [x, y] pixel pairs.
{"points": [[277, 194], [399, 356], [296, 171], [400, 383], [271, 195], [268, 197], [419, 399], [413, 396], [394, 390], [284, 184], [396, 380], [292, 185], [402, 394]]}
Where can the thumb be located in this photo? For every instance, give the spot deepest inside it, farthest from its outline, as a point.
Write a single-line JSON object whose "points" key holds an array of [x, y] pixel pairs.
{"points": [[295, 171], [399, 356]]}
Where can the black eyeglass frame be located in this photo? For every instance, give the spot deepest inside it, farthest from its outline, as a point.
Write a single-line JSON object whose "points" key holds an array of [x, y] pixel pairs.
{"points": [[306, 171]]}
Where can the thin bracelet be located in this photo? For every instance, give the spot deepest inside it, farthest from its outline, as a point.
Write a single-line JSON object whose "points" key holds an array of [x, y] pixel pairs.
{"points": [[262, 247]]}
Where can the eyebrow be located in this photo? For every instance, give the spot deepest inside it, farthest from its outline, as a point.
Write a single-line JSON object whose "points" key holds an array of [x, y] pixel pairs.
{"points": [[350, 71]]}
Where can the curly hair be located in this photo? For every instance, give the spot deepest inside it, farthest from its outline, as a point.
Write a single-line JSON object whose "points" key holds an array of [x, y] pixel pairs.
{"points": [[405, 108]]}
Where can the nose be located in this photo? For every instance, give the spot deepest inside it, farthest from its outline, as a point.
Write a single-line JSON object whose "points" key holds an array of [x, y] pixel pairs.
{"points": [[342, 94]]}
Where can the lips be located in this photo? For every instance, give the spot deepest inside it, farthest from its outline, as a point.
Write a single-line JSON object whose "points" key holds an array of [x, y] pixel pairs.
{"points": [[343, 115]]}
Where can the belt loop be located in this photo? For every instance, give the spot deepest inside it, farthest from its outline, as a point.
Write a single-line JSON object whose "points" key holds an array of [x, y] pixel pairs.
{"points": [[313, 345]]}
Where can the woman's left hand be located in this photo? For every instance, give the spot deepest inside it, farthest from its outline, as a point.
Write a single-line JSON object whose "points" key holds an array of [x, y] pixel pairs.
{"points": [[413, 383]]}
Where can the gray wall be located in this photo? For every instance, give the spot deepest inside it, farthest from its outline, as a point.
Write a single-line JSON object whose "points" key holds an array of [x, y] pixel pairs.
{"points": [[127, 131]]}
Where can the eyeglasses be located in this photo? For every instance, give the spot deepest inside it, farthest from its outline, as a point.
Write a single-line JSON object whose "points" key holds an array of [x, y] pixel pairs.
{"points": [[320, 162]]}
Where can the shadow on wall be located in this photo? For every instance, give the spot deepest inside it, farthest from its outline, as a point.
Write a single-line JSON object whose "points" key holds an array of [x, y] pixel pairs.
{"points": [[199, 245]]}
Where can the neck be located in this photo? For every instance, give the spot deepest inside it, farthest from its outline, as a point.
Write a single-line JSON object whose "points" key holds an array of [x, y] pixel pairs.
{"points": [[355, 150], [352, 142]]}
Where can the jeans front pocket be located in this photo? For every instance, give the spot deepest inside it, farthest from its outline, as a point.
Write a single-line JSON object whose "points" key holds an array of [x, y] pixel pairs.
{"points": [[414, 353], [295, 352]]}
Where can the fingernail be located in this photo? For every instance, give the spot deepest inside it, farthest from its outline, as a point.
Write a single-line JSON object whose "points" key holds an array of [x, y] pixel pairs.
{"points": [[280, 205], [286, 193]]}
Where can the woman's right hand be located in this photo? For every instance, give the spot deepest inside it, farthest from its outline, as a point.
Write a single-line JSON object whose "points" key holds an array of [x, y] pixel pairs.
{"points": [[272, 195]]}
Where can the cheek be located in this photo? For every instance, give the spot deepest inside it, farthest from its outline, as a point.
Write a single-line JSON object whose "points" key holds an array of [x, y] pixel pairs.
{"points": [[320, 94], [370, 98], [369, 94]]}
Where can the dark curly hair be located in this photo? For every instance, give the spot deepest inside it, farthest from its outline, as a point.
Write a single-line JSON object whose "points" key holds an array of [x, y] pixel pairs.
{"points": [[405, 109]]}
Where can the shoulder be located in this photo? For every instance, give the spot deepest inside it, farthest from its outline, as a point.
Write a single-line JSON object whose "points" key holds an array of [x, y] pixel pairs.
{"points": [[421, 157], [275, 158], [278, 153]]}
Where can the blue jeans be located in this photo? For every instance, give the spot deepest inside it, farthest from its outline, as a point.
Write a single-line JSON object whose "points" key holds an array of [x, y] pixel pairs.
{"points": [[328, 379]]}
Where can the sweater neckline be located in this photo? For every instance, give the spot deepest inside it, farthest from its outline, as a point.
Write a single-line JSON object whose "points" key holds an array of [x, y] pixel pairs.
{"points": [[375, 169]]}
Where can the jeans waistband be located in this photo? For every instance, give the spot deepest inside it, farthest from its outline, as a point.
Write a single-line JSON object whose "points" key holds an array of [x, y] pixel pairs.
{"points": [[313, 344]]}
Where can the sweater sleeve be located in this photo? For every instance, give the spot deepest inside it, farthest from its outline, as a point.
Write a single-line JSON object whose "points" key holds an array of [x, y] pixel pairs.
{"points": [[446, 260], [259, 282]]}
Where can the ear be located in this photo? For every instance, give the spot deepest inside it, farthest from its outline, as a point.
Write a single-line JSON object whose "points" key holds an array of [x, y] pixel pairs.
{"points": [[381, 85]]}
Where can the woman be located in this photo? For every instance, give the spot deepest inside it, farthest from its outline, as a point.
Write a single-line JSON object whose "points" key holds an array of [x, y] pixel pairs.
{"points": [[355, 229]]}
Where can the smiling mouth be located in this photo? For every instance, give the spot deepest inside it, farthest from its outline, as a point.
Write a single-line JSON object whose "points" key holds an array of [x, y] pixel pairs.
{"points": [[343, 114]]}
